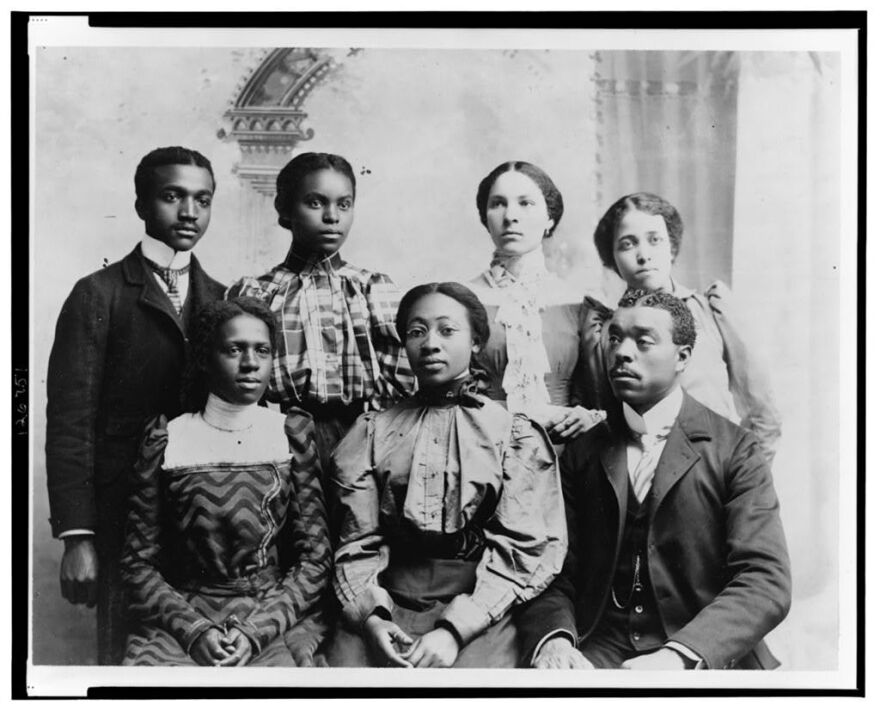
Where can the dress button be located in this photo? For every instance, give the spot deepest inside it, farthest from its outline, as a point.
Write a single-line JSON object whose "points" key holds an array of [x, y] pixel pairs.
{"points": [[639, 609], [636, 636]]}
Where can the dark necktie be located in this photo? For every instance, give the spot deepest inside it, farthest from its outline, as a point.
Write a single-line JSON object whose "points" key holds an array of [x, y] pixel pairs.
{"points": [[169, 276]]}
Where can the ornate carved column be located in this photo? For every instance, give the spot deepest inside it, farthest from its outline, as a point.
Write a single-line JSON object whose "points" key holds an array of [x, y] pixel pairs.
{"points": [[267, 117]]}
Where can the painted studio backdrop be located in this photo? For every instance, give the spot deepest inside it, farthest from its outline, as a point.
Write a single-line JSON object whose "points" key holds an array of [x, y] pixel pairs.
{"points": [[745, 144]]}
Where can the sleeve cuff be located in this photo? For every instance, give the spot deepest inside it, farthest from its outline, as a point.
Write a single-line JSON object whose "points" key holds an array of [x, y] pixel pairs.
{"points": [[468, 618], [553, 633], [76, 532], [373, 599], [687, 653], [194, 632]]}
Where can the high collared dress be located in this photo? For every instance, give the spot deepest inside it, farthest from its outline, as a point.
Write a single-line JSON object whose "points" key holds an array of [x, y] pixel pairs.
{"points": [[539, 329], [223, 539], [338, 351], [450, 513]]}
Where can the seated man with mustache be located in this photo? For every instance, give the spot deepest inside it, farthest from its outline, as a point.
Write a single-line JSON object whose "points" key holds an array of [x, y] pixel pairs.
{"points": [[677, 558]]}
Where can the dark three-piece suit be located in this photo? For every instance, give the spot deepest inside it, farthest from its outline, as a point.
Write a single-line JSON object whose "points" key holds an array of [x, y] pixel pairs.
{"points": [[117, 360], [717, 564]]}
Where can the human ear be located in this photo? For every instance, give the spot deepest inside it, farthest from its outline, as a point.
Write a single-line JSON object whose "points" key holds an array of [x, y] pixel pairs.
{"points": [[139, 208], [683, 358]]}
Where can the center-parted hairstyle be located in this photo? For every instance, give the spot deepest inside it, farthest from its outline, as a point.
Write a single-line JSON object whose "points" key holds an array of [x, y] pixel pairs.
{"points": [[684, 331], [477, 316], [648, 203], [170, 155], [291, 176], [203, 341], [551, 193]]}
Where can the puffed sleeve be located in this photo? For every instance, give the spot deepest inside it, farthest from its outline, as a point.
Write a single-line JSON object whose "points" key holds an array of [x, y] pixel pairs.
{"points": [[152, 599], [73, 385], [590, 387], [362, 553], [383, 298], [526, 537], [298, 592], [749, 380]]}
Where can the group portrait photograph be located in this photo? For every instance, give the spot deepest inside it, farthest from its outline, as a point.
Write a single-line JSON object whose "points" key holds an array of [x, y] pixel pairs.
{"points": [[442, 357]]}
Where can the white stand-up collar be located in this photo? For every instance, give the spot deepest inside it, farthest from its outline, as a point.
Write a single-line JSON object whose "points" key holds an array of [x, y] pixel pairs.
{"points": [[163, 255], [658, 419]]}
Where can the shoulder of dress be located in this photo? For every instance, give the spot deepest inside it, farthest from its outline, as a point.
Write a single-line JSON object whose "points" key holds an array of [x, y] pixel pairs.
{"points": [[181, 423], [372, 280], [267, 282], [717, 290]]}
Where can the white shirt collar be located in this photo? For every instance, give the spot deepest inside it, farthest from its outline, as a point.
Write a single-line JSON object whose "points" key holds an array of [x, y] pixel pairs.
{"points": [[658, 419], [162, 254]]}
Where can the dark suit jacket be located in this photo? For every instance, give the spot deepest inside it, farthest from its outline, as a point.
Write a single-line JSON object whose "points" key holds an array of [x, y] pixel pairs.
{"points": [[116, 361], [717, 557]]}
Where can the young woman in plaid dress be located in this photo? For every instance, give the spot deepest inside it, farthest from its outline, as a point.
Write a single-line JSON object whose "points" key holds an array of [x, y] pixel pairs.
{"points": [[338, 352]]}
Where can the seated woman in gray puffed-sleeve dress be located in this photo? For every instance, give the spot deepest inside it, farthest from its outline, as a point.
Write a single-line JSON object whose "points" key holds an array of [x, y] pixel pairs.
{"points": [[449, 507]]}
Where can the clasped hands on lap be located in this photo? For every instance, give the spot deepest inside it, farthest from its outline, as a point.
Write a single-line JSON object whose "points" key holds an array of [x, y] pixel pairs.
{"points": [[214, 648], [394, 647]]}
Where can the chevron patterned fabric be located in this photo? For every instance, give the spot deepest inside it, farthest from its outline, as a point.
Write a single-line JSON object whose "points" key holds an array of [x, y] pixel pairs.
{"points": [[236, 545]]}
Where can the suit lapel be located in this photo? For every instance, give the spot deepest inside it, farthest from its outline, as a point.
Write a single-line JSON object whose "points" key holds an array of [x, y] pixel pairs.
{"points": [[151, 295], [678, 454], [614, 463]]}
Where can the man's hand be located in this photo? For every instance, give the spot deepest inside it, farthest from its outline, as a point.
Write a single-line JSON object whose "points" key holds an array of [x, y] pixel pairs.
{"points": [[79, 571], [559, 653], [664, 659], [437, 648], [208, 649], [386, 639]]}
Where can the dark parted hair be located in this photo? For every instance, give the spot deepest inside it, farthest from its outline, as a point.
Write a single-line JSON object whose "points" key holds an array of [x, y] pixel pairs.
{"points": [[203, 340], [477, 316], [551, 193], [684, 331], [648, 203], [170, 155], [288, 181]]}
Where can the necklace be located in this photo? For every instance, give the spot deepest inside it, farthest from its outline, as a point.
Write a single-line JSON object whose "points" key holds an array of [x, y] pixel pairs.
{"points": [[225, 429]]}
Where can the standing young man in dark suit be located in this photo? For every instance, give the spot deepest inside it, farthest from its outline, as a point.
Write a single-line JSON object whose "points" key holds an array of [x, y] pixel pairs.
{"points": [[119, 350], [677, 558]]}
